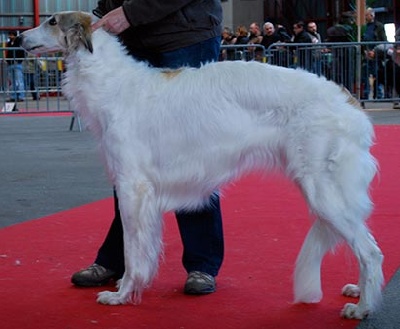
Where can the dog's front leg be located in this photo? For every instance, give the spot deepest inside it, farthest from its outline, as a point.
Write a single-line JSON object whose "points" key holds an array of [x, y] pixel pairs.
{"points": [[142, 224]]}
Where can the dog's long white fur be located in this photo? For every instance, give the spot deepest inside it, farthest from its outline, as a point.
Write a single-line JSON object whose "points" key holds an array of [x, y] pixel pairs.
{"points": [[171, 138]]}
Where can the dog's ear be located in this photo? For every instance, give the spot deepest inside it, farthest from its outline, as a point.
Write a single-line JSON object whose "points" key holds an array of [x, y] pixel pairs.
{"points": [[85, 35], [77, 29]]}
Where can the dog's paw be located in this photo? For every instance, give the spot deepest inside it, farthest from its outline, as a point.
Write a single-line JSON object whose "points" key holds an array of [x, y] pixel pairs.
{"points": [[351, 290], [307, 296], [111, 298], [353, 311]]}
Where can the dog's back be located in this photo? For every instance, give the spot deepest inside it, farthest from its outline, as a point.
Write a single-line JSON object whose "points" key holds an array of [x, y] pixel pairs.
{"points": [[198, 129]]}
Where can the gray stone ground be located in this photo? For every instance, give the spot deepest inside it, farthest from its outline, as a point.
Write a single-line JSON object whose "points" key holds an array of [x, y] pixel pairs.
{"points": [[45, 168]]}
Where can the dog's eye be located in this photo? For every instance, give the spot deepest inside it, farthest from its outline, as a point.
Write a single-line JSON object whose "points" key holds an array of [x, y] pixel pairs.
{"points": [[52, 21]]}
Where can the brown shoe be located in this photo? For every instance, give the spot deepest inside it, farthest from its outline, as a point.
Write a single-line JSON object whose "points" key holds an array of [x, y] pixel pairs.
{"points": [[93, 276]]}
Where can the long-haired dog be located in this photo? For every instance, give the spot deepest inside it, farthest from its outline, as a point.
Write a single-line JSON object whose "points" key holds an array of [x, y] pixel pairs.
{"points": [[171, 138]]}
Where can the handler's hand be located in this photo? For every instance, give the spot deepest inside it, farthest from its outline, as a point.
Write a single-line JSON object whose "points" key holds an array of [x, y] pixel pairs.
{"points": [[114, 22]]}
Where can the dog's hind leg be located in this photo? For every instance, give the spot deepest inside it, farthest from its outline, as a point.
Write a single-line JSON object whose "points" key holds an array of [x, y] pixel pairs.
{"points": [[338, 195], [142, 226], [371, 277]]}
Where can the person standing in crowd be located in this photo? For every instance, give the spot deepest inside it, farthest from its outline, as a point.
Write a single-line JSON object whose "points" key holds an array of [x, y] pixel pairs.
{"points": [[300, 34], [228, 38], [242, 36], [312, 31], [396, 67], [389, 55], [255, 38], [316, 52], [342, 66], [31, 72], [343, 31], [277, 55], [15, 58], [274, 35], [302, 53], [373, 30], [168, 34]]}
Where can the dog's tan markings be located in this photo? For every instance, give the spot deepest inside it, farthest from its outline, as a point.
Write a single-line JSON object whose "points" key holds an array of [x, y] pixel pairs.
{"points": [[351, 99], [170, 74]]}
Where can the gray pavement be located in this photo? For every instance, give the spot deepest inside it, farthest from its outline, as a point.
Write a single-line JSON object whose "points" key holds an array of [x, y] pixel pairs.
{"points": [[45, 168]]}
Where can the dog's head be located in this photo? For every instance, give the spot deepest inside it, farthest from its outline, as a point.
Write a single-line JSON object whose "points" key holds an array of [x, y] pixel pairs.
{"points": [[64, 31]]}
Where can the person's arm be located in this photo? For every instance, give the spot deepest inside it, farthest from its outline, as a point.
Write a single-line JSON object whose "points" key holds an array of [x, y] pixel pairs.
{"points": [[381, 33], [137, 12]]}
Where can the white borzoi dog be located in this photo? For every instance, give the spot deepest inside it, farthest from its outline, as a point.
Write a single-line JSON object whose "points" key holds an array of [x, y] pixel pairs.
{"points": [[171, 138]]}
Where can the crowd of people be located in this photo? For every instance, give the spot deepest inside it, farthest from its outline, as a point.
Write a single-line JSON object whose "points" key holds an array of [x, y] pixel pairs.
{"points": [[268, 35], [277, 45]]}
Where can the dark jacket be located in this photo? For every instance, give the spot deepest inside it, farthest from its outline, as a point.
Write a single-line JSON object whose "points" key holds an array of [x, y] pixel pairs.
{"points": [[280, 35], [340, 33], [302, 37], [379, 32], [166, 25], [15, 56]]}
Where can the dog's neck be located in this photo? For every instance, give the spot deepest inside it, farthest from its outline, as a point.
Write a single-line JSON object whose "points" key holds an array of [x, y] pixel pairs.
{"points": [[91, 80]]}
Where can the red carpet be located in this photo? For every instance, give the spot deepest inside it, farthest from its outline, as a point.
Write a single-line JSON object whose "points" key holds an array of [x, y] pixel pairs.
{"points": [[265, 224]]}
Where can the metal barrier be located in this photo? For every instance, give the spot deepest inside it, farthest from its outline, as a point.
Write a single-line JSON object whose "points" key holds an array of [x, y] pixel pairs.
{"points": [[369, 79], [31, 84], [246, 52]]}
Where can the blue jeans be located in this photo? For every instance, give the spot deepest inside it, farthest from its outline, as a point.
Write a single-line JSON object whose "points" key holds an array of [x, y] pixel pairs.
{"points": [[17, 81], [31, 82], [371, 68], [201, 231]]}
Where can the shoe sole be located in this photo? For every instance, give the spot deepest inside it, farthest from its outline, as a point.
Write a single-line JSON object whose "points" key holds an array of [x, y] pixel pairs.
{"points": [[193, 291], [84, 283]]}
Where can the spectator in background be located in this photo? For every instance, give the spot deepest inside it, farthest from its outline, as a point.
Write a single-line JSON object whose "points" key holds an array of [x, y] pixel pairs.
{"points": [[343, 31], [274, 35], [255, 38], [15, 58], [302, 53], [342, 66], [389, 55], [316, 52], [242, 35], [373, 30], [313, 33], [241, 38], [31, 71], [228, 38], [300, 34], [277, 55], [396, 67]]}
